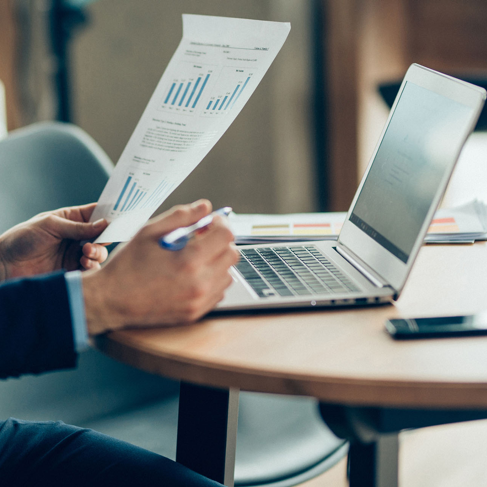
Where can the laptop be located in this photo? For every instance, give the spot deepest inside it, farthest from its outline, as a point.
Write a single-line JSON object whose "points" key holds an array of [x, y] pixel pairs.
{"points": [[431, 118]]}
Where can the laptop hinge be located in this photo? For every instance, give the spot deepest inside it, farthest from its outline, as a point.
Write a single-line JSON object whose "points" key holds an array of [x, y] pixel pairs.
{"points": [[353, 260]]}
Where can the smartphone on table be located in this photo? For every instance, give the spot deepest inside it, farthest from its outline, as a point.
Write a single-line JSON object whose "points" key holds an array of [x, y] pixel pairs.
{"points": [[439, 326]]}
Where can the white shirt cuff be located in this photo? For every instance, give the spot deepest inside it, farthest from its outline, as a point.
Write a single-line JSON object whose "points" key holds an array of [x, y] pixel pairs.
{"points": [[77, 308]]}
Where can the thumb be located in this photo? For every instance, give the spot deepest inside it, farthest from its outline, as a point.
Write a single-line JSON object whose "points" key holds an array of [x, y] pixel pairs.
{"points": [[179, 216], [77, 230]]}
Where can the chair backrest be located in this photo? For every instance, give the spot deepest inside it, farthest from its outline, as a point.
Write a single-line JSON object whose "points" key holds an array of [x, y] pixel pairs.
{"points": [[48, 166], [3, 112], [44, 167]]}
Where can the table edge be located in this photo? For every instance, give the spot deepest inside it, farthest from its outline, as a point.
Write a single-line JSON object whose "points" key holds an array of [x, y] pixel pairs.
{"points": [[350, 391]]}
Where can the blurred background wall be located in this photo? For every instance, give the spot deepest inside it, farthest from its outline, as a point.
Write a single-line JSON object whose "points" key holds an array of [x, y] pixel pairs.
{"points": [[264, 163], [305, 137]]}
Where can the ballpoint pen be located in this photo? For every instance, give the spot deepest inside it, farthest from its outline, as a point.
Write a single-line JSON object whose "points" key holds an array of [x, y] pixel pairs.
{"points": [[177, 239]]}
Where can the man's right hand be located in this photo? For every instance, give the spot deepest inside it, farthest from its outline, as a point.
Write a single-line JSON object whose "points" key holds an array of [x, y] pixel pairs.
{"points": [[143, 284]]}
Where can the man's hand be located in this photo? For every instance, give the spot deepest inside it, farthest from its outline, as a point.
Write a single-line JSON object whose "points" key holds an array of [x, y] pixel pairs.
{"points": [[51, 241], [143, 284]]}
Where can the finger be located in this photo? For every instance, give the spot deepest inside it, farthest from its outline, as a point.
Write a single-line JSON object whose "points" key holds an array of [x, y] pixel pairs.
{"points": [[73, 230], [212, 242], [89, 264], [177, 217], [217, 275], [95, 252], [220, 223], [222, 263], [217, 294], [86, 211], [77, 213], [221, 278], [214, 278]]}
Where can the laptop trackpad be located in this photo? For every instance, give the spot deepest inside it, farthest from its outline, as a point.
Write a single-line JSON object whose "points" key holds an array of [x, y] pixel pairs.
{"points": [[237, 293]]}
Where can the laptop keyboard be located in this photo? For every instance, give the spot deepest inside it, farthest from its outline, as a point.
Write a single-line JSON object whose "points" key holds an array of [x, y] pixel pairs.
{"points": [[291, 271]]}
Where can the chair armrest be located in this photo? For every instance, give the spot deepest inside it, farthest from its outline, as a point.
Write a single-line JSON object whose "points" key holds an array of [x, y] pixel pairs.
{"points": [[3, 112]]}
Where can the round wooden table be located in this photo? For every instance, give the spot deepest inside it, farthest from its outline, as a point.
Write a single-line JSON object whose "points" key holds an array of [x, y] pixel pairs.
{"points": [[342, 356]]}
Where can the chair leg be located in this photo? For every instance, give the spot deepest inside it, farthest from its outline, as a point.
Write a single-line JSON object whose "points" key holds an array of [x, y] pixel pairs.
{"points": [[374, 464]]}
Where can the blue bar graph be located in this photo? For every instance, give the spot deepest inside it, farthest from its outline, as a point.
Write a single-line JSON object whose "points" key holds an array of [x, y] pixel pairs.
{"points": [[128, 196], [216, 105], [223, 102], [153, 197], [132, 200], [233, 95], [240, 92], [170, 93], [122, 193], [193, 92], [185, 93], [209, 105], [159, 191], [139, 199], [201, 91], [177, 93], [158, 195]]}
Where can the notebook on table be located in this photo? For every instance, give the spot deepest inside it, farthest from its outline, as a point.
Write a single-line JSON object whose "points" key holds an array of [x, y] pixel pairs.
{"points": [[388, 219]]}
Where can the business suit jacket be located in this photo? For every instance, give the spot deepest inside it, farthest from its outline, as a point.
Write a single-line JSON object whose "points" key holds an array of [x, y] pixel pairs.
{"points": [[35, 326], [36, 336]]}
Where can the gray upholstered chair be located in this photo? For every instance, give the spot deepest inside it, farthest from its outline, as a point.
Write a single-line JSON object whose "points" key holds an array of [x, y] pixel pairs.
{"points": [[281, 441]]}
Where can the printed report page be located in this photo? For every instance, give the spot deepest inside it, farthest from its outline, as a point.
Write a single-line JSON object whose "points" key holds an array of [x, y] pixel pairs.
{"points": [[211, 76]]}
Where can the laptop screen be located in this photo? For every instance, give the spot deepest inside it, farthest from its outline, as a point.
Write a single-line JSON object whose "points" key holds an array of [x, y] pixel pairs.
{"points": [[416, 150]]}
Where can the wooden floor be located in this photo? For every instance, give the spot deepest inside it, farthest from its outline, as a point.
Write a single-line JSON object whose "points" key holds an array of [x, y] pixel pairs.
{"points": [[440, 456]]}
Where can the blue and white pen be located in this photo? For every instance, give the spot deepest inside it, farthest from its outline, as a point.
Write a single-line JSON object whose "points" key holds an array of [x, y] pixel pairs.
{"points": [[177, 239]]}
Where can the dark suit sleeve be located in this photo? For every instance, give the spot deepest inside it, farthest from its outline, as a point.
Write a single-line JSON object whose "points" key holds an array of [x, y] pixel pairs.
{"points": [[36, 334]]}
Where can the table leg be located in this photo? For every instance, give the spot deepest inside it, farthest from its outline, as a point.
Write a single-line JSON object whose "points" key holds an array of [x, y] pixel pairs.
{"points": [[207, 431], [374, 464], [373, 435]]}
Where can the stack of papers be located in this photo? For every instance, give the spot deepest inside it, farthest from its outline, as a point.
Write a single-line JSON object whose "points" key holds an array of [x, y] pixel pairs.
{"points": [[462, 224]]}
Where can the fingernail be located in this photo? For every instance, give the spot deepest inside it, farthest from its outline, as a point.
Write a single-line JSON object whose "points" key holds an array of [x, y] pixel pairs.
{"points": [[98, 223]]}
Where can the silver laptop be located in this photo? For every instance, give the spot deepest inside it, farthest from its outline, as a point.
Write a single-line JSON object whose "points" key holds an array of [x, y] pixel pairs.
{"points": [[429, 122]]}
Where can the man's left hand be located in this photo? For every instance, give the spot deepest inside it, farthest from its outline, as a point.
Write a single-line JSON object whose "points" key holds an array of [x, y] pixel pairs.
{"points": [[51, 241]]}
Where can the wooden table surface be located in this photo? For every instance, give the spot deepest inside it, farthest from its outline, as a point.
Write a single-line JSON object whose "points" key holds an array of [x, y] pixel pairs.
{"points": [[341, 356]]}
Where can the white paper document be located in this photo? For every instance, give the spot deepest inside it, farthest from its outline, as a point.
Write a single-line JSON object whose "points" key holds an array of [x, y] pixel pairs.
{"points": [[462, 224], [249, 228], [211, 76]]}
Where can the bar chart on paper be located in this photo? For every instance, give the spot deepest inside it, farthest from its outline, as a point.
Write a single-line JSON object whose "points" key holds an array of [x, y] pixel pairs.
{"points": [[231, 84], [139, 193], [184, 92]]}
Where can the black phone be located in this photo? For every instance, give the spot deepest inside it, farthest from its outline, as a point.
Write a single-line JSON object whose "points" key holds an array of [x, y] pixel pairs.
{"points": [[441, 326]]}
